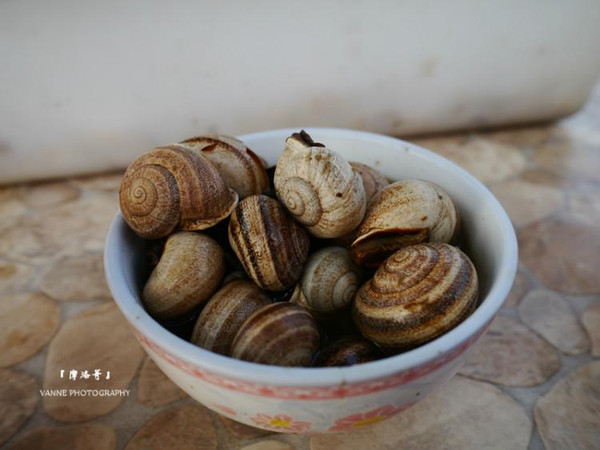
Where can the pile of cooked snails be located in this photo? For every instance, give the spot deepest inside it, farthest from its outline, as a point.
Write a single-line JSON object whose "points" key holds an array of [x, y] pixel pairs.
{"points": [[317, 261]]}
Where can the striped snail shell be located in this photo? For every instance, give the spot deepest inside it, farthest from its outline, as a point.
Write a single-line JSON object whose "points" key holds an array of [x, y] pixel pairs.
{"points": [[271, 246], [404, 213], [242, 170], [347, 351], [373, 180], [418, 294], [280, 334], [189, 271], [233, 276], [224, 314], [319, 188], [173, 187], [329, 281]]}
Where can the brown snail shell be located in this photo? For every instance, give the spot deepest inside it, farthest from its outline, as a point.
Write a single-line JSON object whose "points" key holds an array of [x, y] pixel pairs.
{"points": [[242, 170], [404, 213], [173, 187], [187, 274], [225, 312], [271, 246], [319, 188], [280, 334], [373, 180], [233, 276], [347, 351], [329, 281], [418, 294]]}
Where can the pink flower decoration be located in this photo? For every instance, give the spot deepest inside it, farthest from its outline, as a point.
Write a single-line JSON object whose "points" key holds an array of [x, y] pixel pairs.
{"points": [[366, 418], [280, 422]]}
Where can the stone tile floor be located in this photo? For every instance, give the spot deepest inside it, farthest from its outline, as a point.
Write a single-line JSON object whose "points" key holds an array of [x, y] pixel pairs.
{"points": [[533, 382]]}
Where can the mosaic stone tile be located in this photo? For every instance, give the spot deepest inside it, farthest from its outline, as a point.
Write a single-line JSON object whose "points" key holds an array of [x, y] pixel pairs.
{"points": [[268, 445], [44, 195], [571, 158], [564, 255], [82, 437], [526, 202], [109, 182], [73, 227], [549, 314], [27, 322], [182, 428], [18, 398], [585, 207], [512, 355], [567, 416], [518, 290], [75, 277], [464, 414], [155, 388], [591, 321], [98, 338], [241, 431], [14, 276], [487, 160]]}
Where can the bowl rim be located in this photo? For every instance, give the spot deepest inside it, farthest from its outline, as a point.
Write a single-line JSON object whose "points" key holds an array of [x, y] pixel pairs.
{"points": [[231, 368]]}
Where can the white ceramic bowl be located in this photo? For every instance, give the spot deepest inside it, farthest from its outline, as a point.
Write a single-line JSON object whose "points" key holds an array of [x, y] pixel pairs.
{"points": [[316, 400]]}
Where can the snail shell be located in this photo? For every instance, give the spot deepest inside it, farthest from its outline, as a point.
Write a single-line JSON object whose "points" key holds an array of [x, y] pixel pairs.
{"points": [[418, 294], [242, 170], [271, 246], [280, 334], [170, 187], [319, 188], [347, 351], [224, 314], [373, 180], [187, 274], [404, 213], [329, 281], [233, 276]]}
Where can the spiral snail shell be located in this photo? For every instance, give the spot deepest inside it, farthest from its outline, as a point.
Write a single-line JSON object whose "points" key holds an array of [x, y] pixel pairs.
{"points": [[319, 188], [224, 314], [373, 180], [271, 246], [347, 351], [404, 213], [419, 293], [329, 281], [189, 271], [242, 170], [173, 187], [280, 334]]}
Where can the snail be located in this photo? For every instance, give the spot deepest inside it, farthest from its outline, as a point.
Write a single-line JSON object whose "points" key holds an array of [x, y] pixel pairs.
{"points": [[329, 281], [233, 276], [373, 180], [173, 187], [347, 351], [319, 188], [418, 293], [187, 274], [404, 213], [242, 170], [225, 312], [271, 246], [280, 334]]}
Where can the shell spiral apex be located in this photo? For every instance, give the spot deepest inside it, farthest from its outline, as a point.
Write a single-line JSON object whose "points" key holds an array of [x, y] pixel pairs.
{"points": [[319, 188], [418, 294], [171, 187]]}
